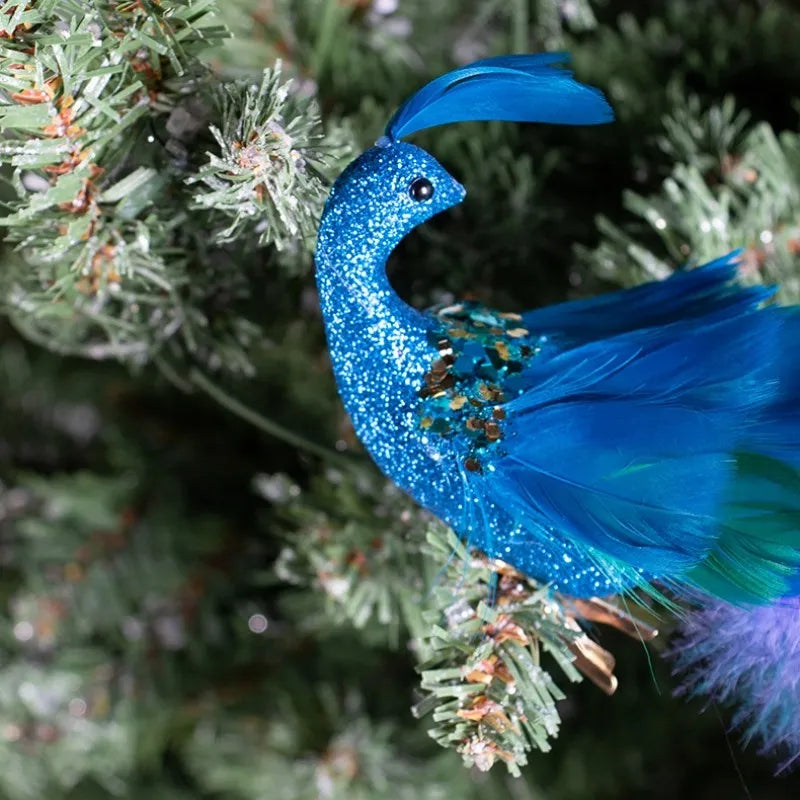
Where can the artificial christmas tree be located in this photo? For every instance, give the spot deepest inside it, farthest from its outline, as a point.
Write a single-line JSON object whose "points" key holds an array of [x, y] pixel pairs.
{"points": [[209, 592]]}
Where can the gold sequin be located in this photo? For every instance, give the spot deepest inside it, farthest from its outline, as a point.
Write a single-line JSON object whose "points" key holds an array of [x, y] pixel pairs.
{"points": [[454, 397]]}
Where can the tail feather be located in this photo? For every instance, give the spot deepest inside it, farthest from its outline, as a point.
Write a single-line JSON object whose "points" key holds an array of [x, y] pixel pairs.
{"points": [[757, 554], [749, 656], [672, 442], [756, 557], [686, 295]]}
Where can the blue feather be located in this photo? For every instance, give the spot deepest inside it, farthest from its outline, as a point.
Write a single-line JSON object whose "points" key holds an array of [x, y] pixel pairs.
{"points": [[685, 294], [670, 441], [522, 88]]}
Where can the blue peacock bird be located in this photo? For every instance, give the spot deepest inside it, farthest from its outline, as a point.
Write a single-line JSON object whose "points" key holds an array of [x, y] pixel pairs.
{"points": [[647, 435]]}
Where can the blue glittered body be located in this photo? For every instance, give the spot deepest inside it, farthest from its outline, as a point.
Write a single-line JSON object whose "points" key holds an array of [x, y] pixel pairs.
{"points": [[648, 434], [382, 350]]}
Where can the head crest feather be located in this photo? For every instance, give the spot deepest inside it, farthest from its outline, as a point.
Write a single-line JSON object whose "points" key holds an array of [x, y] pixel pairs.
{"points": [[519, 88]]}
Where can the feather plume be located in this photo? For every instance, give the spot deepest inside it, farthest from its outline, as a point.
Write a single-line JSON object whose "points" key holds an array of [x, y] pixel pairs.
{"points": [[521, 88], [749, 657]]}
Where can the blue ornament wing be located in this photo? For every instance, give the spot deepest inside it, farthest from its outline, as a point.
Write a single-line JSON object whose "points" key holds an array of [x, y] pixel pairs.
{"points": [[652, 448], [686, 294]]}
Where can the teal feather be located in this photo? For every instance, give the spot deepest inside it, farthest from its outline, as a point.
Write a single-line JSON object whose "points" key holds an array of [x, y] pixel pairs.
{"points": [[756, 556]]}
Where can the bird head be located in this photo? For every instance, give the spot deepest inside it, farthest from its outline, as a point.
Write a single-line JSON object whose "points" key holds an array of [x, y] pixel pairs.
{"points": [[395, 186], [392, 188]]}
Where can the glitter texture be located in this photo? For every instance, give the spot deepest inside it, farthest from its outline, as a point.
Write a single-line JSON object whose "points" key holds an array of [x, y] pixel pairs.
{"points": [[388, 357], [482, 354]]}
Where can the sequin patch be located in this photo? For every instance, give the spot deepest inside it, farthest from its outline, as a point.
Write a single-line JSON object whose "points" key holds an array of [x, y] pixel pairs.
{"points": [[482, 354]]}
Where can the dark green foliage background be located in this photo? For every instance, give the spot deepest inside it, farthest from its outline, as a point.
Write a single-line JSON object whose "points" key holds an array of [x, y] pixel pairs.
{"points": [[178, 496]]}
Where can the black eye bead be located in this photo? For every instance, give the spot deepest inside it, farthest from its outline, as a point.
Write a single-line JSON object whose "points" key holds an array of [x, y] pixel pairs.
{"points": [[421, 189]]}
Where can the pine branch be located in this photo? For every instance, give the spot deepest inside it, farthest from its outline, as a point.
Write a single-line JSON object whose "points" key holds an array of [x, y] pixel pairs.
{"points": [[735, 187], [357, 759], [90, 626], [554, 18], [478, 627], [490, 695], [269, 180], [78, 92], [104, 627], [103, 112], [356, 540]]}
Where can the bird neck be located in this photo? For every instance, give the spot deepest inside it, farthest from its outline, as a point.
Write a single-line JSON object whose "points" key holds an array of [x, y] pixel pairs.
{"points": [[377, 343], [358, 302]]}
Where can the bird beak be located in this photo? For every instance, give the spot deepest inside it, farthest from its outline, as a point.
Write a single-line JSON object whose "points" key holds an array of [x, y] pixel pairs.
{"points": [[457, 193]]}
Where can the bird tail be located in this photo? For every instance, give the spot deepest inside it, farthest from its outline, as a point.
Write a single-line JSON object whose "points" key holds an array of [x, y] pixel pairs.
{"points": [[749, 657], [757, 554], [671, 439], [686, 294]]}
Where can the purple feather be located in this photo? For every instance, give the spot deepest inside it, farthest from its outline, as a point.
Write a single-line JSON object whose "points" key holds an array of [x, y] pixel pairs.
{"points": [[751, 658]]}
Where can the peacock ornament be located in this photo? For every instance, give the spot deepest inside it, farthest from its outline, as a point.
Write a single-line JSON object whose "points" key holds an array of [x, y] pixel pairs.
{"points": [[649, 436]]}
